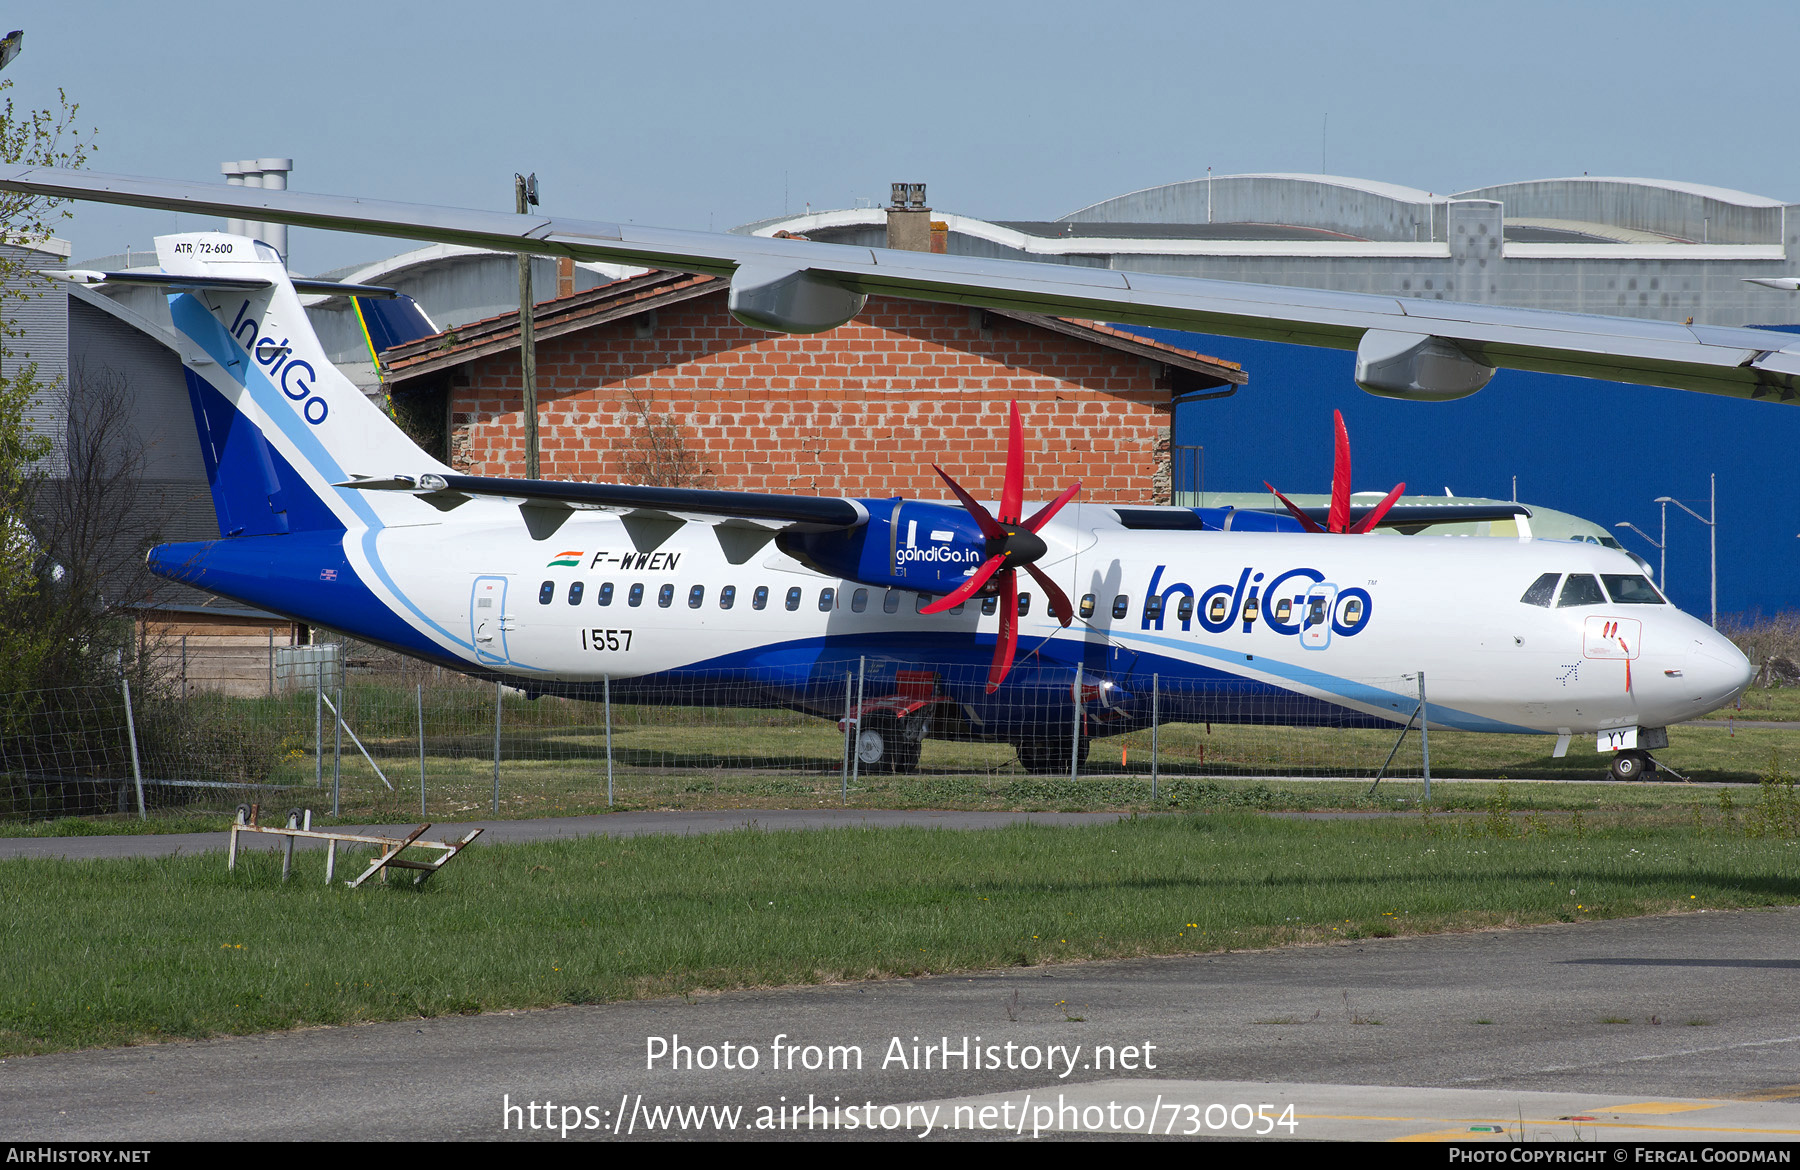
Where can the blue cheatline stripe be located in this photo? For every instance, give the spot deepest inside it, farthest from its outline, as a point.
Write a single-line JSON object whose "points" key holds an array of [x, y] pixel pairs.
{"points": [[1348, 690], [208, 332]]}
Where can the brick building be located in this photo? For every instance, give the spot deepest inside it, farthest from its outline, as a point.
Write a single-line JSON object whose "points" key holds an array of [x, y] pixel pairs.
{"points": [[650, 380]]}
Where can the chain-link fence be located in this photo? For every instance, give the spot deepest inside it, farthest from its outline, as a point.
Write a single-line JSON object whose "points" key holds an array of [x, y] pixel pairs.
{"points": [[359, 731]]}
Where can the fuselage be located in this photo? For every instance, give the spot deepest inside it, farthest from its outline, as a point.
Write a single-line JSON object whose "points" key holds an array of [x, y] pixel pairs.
{"points": [[1254, 627]]}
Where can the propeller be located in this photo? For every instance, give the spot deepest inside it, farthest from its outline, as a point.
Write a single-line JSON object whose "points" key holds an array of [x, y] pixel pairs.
{"points": [[1012, 544], [1338, 518]]}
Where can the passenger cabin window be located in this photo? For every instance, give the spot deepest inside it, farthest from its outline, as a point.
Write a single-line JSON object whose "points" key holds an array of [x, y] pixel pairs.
{"points": [[728, 597], [665, 596], [1087, 605], [827, 600], [1352, 612], [1631, 589], [1217, 608], [1184, 609], [1153, 607], [1580, 589], [920, 602], [890, 601], [545, 592], [696, 595], [793, 598], [760, 599], [1024, 604], [575, 588], [990, 606], [1284, 609], [957, 608], [1121, 606], [606, 592], [859, 601], [636, 596], [1542, 591]]}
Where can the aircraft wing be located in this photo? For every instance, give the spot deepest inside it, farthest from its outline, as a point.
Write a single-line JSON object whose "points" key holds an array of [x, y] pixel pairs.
{"points": [[1406, 348]]}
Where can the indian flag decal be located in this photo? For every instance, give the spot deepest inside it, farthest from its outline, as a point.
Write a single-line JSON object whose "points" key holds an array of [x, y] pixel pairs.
{"points": [[570, 559]]}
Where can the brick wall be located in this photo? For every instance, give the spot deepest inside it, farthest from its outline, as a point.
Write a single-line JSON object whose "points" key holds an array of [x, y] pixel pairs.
{"points": [[692, 397]]}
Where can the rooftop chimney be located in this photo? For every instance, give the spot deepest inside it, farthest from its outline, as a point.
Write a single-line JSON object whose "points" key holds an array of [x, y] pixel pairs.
{"points": [[908, 219]]}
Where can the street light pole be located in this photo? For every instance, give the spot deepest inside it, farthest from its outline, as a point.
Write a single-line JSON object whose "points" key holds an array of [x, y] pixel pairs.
{"points": [[1663, 572], [525, 195], [1712, 522]]}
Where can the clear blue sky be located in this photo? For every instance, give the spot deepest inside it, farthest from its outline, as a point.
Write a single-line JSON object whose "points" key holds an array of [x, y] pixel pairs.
{"points": [[698, 115], [685, 114]]}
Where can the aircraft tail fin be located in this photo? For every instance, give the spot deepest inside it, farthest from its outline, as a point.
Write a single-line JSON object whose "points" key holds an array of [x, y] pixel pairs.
{"points": [[278, 424]]}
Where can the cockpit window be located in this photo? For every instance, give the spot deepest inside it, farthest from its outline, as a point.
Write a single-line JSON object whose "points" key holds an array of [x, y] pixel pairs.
{"points": [[1542, 591], [1580, 589], [1631, 589]]}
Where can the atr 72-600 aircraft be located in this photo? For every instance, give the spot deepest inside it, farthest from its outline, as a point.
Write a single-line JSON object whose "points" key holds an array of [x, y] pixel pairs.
{"points": [[333, 516]]}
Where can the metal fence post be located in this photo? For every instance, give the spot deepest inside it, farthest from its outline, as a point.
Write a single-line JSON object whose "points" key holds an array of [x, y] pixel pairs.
{"points": [[421, 699], [849, 737], [318, 725], [855, 756], [1075, 730], [137, 774], [606, 696], [1425, 734], [271, 662], [1155, 726], [337, 744], [497, 692]]}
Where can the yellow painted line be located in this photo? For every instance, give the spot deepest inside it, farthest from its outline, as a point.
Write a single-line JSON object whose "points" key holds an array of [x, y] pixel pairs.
{"points": [[1658, 1107], [1355, 1117], [1779, 1093]]}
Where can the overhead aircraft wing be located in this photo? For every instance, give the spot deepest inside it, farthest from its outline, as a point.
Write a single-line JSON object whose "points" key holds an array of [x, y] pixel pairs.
{"points": [[1407, 348]]}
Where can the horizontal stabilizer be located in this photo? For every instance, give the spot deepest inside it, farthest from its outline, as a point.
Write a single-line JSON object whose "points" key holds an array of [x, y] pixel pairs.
{"points": [[176, 280], [810, 510]]}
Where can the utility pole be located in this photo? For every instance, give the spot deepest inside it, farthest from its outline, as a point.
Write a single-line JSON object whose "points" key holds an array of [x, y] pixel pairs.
{"points": [[525, 193]]}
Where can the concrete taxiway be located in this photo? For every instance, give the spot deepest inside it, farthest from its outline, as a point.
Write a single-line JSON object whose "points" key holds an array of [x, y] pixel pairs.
{"points": [[1672, 1028]]}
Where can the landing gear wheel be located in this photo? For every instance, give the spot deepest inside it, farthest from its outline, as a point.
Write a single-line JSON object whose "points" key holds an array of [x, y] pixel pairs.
{"points": [[1050, 757], [882, 746], [1632, 765]]}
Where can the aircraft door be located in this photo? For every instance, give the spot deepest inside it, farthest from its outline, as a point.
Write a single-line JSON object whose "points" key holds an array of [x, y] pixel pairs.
{"points": [[1316, 615], [489, 620]]}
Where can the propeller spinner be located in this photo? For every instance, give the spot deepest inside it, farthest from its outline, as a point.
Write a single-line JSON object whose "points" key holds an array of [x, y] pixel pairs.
{"points": [[1012, 544], [1338, 518]]}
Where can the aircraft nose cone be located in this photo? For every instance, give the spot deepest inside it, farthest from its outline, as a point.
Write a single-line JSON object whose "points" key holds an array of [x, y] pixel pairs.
{"points": [[1717, 669]]}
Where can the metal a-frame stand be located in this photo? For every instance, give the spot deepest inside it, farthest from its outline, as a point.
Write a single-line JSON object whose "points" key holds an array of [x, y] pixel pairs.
{"points": [[299, 825]]}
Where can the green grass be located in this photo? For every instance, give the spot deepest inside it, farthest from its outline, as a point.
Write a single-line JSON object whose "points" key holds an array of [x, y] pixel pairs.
{"points": [[1775, 704], [120, 952], [553, 762]]}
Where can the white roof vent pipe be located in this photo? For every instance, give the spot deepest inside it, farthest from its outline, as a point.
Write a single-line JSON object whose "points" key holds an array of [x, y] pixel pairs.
{"points": [[271, 175]]}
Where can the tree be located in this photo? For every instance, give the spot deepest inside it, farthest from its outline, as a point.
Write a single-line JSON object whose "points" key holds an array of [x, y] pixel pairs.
{"points": [[38, 137]]}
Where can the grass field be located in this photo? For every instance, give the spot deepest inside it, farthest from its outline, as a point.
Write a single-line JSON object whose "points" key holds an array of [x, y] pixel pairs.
{"points": [[553, 761], [121, 952]]}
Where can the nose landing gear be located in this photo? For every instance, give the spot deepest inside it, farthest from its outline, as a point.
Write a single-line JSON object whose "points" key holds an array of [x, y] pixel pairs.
{"points": [[1632, 764]]}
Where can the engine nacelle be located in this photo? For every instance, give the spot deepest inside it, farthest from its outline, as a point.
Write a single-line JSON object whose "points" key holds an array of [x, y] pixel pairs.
{"points": [[1417, 366], [790, 300], [930, 548]]}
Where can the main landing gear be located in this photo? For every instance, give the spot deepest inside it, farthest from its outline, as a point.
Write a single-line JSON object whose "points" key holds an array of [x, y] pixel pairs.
{"points": [[885, 745]]}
